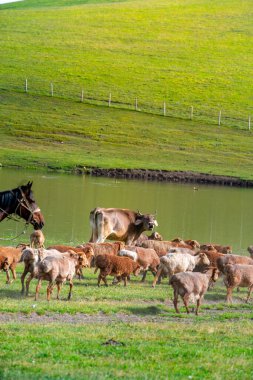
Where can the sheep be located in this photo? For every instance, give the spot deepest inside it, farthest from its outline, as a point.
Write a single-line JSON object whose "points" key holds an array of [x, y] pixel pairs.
{"points": [[216, 247], [86, 249], [238, 275], [232, 259], [104, 248], [187, 284], [9, 258], [250, 250], [37, 239], [146, 258], [143, 237], [120, 267], [174, 263], [57, 269], [31, 257], [162, 247]]}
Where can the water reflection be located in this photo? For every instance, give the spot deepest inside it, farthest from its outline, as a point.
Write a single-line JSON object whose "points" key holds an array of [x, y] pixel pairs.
{"points": [[211, 214]]}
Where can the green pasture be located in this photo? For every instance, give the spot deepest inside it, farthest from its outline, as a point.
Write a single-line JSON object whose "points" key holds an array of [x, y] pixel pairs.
{"points": [[184, 53], [159, 344], [61, 134]]}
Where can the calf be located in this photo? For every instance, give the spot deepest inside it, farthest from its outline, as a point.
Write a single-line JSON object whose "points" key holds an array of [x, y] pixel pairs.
{"points": [[9, 258], [187, 284], [57, 270], [119, 267], [238, 275]]}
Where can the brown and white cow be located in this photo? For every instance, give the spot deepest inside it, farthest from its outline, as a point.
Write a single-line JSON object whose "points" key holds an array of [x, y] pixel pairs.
{"points": [[119, 224]]}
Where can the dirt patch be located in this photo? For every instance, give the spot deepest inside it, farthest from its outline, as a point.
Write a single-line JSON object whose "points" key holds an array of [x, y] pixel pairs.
{"points": [[165, 176], [80, 318]]}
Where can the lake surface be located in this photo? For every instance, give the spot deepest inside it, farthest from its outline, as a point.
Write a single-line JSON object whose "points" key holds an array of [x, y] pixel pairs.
{"points": [[210, 214]]}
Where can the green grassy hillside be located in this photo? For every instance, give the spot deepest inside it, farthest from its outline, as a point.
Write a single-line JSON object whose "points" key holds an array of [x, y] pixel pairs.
{"points": [[44, 131], [182, 52], [186, 53]]}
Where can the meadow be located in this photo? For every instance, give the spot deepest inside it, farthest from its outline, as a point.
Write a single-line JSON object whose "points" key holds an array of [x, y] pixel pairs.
{"points": [[184, 53], [67, 339]]}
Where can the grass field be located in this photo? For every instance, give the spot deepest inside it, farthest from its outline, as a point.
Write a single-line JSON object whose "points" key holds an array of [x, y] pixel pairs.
{"points": [[184, 53], [44, 132], [64, 339]]}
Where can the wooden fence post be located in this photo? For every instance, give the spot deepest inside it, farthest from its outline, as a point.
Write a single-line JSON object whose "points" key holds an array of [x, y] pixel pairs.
{"points": [[219, 120], [110, 100], [26, 85], [52, 89], [164, 109], [191, 114]]}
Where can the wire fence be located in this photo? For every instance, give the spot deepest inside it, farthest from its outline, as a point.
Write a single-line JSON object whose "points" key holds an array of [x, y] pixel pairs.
{"points": [[118, 99]]}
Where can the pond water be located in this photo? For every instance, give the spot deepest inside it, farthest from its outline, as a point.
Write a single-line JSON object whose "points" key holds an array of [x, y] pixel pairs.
{"points": [[210, 214]]}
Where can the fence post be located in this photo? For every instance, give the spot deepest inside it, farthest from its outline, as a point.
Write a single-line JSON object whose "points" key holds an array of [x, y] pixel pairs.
{"points": [[26, 85], [109, 100], [164, 109], [191, 114], [136, 104], [82, 96], [52, 89], [249, 123], [219, 120]]}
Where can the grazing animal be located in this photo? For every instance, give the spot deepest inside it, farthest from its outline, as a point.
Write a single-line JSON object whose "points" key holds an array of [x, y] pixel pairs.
{"points": [[119, 224], [143, 237], [86, 249], [146, 258], [119, 267], [37, 239], [31, 258], [162, 247], [20, 201], [238, 275], [232, 259], [226, 249], [57, 270], [187, 284], [174, 263], [9, 258], [250, 250]]}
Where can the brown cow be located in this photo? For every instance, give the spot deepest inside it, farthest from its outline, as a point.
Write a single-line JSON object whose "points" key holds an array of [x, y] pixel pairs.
{"points": [[119, 224]]}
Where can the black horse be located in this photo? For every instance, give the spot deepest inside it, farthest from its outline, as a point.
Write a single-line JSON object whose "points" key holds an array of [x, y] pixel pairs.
{"points": [[20, 201]]}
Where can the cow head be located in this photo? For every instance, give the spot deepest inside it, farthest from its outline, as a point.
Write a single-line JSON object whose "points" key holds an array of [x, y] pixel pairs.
{"points": [[147, 221]]}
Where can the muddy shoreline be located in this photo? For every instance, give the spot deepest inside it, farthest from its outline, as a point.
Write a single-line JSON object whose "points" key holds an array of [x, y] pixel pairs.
{"points": [[166, 176]]}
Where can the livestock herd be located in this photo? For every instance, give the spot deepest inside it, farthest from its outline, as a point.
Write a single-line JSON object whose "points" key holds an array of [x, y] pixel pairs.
{"points": [[192, 268]]}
